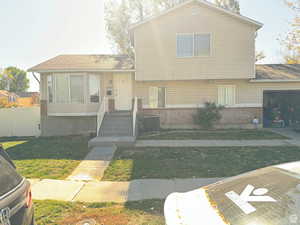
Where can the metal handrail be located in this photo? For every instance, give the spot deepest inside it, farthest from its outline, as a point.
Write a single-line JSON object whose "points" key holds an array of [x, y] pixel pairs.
{"points": [[134, 113], [101, 114]]}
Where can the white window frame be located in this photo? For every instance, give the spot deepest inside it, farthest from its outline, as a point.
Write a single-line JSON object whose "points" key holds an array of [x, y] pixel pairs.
{"points": [[233, 87], [195, 56]]}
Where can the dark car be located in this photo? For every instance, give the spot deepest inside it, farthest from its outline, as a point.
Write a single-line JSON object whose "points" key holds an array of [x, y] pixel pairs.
{"points": [[16, 206], [269, 196]]}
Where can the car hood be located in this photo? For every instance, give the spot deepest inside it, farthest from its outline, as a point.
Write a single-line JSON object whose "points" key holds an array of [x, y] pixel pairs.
{"points": [[269, 196]]}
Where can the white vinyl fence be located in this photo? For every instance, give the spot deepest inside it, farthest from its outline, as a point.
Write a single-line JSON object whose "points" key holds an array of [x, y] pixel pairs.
{"points": [[20, 122]]}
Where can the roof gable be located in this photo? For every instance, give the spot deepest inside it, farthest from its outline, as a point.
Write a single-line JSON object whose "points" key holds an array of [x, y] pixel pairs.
{"points": [[257, 24]]}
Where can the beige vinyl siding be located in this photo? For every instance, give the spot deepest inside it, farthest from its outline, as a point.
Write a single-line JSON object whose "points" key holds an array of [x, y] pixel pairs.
{"points": [[191, 94], [232, 46]]}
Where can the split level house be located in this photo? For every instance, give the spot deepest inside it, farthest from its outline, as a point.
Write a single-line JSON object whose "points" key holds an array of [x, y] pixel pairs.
{"points": [[193, 53]]}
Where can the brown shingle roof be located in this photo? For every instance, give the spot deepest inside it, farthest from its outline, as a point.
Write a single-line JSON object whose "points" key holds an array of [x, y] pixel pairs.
{"points": [[85, 63], [278, 72]]}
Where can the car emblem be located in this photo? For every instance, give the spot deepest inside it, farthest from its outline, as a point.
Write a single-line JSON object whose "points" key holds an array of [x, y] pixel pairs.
{"points": [[4, 216]]}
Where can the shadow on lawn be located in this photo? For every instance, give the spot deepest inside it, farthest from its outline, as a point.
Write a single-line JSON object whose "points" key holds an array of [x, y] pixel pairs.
{"points": [[71, 147]]}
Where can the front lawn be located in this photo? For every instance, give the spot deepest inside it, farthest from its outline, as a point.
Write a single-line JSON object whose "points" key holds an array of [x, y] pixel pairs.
{"points": [[233, 134], [51, 158], [196, 162], [148, 212]]}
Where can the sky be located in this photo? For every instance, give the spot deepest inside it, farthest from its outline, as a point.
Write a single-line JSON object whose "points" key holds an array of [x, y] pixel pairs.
{"points": [[33, 31]]}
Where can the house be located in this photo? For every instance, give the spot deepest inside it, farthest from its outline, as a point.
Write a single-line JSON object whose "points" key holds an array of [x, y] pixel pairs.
{"points": [[190, 54], [28, 99], [8, 98]]}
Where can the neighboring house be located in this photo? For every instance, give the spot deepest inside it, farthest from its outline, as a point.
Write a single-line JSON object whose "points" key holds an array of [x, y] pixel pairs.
{"points": [[190, 54], [7, 97], [28, 99]]}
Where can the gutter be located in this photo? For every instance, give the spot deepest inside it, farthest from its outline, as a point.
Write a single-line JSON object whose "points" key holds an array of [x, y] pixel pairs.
{"points": [[78, 70], [274, 81]]}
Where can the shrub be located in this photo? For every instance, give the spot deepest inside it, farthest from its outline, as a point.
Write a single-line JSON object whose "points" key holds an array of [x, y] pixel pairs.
{"points": [[6, 104], [208, 116]]}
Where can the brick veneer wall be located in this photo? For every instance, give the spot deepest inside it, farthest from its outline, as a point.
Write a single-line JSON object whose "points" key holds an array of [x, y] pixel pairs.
{"points": [[183, 117]]}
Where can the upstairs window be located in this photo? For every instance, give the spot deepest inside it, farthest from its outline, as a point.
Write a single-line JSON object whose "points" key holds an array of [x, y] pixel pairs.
{"points": [[226, 95], [193, 45]]}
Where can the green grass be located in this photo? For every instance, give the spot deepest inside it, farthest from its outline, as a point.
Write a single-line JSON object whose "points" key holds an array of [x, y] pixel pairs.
{"points": [[234, 134], [196, 162], [52, 158], [149, 212]]}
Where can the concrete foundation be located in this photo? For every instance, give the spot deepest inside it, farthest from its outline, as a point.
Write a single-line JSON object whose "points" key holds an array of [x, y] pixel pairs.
{"points": [[63, 126]]}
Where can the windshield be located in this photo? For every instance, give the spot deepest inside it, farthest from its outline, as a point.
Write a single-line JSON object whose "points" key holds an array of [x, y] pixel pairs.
{"points": [[8, 176]]}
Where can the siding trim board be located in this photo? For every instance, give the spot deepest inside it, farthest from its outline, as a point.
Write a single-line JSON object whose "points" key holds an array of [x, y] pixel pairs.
{"points": [[73, 114], [205, 3], [193, 106], [274, 81]]}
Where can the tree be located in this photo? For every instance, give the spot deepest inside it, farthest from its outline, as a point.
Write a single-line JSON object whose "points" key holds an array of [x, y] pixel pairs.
{"points": [[291, 42], [259, 56], [120, 14], [14, 80], [232, 5]]}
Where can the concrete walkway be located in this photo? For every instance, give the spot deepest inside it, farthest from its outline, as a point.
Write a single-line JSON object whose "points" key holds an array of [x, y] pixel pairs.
{"points": [[93, 166], [210, 143], [294, 136], [113, 191]]}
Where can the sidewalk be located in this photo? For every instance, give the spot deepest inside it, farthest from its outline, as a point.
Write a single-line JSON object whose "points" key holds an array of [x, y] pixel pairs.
{"points": [[93, 166], [294, 136], [113, 191], [211, 143]]}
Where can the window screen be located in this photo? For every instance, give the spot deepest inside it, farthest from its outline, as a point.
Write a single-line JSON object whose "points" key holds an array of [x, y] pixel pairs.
{"points": [[161, 97], [226, 95], [62, 88], [8, 176], [157, 97], [189, 45], [94, 88], [202, 44], [76, 89], [185, 45]]}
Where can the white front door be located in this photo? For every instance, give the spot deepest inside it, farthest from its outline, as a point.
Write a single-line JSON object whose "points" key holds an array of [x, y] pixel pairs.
{"points": [[123, 91]]}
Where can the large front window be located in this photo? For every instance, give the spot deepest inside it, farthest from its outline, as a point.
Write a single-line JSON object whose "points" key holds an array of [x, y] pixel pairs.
{"points": [[73, 88], [77, 89]]}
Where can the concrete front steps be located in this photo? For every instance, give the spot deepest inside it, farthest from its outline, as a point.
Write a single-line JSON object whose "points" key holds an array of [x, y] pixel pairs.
{"points": [[116, 129]]}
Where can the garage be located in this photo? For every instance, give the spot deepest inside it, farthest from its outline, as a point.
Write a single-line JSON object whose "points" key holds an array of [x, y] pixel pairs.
{"points": [[281, 108]]}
